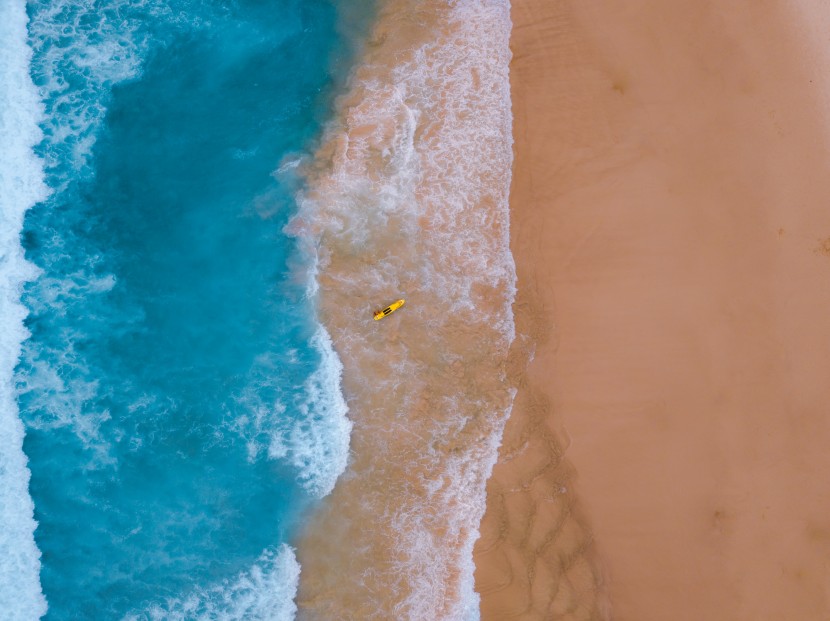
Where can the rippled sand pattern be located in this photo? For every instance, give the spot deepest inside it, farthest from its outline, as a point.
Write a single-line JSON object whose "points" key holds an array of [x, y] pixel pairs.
{"points": [[536, 559], [408, 198]]}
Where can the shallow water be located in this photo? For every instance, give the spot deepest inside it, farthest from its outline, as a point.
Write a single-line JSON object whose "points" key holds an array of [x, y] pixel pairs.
{"points": [[408, 198], [181, 402]]}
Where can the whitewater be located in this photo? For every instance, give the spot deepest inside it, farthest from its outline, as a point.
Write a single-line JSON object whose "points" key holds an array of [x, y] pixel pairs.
{"points": [[21, 186], [171, 408], [408, 198]]}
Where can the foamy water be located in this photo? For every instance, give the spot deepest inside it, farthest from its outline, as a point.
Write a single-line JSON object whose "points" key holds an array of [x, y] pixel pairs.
{"points": [[265, 592], [181, 404], [408, 199], [21, 186], [317, 444]]}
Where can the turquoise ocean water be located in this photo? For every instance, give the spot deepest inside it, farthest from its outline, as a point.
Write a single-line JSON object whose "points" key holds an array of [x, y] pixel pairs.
{"points": [[180, 402]]}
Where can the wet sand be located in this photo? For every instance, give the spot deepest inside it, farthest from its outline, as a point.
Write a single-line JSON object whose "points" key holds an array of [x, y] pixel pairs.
{"points": [[667, 456], [396, 208]]}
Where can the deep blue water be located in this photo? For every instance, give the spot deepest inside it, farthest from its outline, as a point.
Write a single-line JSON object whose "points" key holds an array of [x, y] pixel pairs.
{"points": [[181, 405]]}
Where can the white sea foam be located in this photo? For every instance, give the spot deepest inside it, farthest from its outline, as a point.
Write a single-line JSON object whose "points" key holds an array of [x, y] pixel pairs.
{"points": [[263, 593], [57, 401], [459, 160], [21, 186], [317, 444], [461, 488], [58, 384], [83, 49], [418, 193], [306, 427]]}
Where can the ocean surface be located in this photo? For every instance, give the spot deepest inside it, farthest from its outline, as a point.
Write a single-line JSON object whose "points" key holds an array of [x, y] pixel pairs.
{"points": [[161, 351]]}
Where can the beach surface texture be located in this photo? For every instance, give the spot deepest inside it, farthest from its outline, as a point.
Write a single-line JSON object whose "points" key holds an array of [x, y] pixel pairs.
{"points": [[670, 220]]}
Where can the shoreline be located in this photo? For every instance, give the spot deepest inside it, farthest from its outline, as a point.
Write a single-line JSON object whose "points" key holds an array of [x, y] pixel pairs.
{"points": [[395, 209], [669, 226]]}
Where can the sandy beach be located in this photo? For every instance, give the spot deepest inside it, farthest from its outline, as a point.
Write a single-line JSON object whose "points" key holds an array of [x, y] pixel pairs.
{"points": [[670, 219]]}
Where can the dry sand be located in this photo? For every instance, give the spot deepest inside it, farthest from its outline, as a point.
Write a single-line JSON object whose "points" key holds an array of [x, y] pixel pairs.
{"points": [[671, 226]]}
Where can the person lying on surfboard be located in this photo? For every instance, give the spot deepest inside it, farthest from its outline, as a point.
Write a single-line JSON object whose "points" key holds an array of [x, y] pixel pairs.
{"points": [[388, 310]]}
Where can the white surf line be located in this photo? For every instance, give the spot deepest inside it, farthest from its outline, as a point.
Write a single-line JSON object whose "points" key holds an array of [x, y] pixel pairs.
{"points": [[265, 592], [21, 186], [317, 445]]}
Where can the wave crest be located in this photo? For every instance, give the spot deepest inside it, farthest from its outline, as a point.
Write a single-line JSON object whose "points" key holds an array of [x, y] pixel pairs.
{"points": [[263, 593], [21, 177]]}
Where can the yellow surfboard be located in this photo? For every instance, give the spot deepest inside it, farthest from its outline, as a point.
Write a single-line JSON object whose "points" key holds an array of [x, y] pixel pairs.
{"points": [[388, 310]]}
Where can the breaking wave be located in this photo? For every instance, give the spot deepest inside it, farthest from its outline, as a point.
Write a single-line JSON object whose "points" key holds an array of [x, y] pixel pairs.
{"points": [[263, 593], [21, 180]]}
